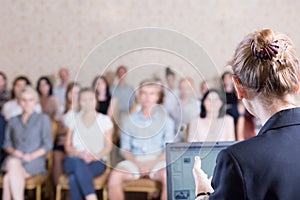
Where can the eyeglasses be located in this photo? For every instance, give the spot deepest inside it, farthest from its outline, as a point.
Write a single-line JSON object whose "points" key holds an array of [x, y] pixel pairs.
{"points": [[26, 100]]}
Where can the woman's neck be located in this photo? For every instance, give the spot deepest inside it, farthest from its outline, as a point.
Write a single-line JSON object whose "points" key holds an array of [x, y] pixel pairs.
{"points": [[264, 110], [122, 82], [147, 112], [102, 96], [88, 113], [25, 116], [229, 88], [212, 115], [185, 99], [44, 96]]}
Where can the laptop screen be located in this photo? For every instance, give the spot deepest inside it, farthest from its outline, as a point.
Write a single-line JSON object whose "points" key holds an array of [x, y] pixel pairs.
{"points": [[180, 161]]}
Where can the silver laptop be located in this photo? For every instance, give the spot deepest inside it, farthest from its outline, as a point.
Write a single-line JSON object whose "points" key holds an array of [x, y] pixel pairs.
{"points": [[180, 161]]}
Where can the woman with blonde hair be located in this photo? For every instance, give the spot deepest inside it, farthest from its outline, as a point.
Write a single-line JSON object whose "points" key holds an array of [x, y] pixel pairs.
{"points": [[28, 138], [266, 78]]}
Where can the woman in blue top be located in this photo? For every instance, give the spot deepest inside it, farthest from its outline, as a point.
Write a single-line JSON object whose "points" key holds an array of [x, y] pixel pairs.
{"points": [[27, 140], [266, 77]]}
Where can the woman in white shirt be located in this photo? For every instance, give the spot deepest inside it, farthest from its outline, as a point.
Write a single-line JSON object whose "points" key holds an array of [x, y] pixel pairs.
{"points": [[88, 142], [213, 123]]}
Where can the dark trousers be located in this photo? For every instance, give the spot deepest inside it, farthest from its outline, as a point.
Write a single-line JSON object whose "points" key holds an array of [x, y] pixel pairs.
{"points": [[81, 176]]}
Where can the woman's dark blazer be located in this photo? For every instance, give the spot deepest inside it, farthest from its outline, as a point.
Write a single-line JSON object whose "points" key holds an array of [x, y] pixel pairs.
{"points": [[266, 166]]}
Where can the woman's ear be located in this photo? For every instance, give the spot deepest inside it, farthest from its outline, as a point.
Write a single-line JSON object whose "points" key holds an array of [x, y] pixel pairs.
{"points": [[240, 90]]}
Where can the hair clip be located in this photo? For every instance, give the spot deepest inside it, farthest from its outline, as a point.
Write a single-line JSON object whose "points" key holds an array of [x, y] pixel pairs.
{"points": [[267, 52]]}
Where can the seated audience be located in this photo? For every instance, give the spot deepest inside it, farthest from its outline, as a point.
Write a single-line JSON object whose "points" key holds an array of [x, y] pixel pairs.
{"points": [[88, 143], [12, 108], [143, 138], [60, 90], [28, 138], [4, 94], [62, 127], [106, 104], [49, 101], [213, 124]]}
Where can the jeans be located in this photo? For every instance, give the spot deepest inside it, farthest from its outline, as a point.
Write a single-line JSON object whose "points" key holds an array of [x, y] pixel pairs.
{"points": [[81, 176]]}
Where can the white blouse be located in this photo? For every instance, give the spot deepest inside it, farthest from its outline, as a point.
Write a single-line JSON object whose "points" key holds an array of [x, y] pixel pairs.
{"points": [[91, 139]]}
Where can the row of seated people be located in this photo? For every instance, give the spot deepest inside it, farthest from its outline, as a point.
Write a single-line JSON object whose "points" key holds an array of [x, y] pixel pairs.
{"points": [[181, 102], [44, 87], [143, 137]]}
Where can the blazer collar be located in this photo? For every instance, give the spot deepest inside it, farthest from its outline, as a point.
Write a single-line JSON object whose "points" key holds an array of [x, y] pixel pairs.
{"points": [[282, 118]]}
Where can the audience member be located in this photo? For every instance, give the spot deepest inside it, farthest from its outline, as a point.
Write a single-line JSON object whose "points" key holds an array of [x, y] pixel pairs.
{"points": [[213, 123], [71, 108], [49, 101], [28, 138], [143, 138], [136, 106], [2, 133], [188, 107], [12, 108], [106, 104], [231, 98], [170, 92], [4, 94], [60, 90], [123, 92], [89, 141]]}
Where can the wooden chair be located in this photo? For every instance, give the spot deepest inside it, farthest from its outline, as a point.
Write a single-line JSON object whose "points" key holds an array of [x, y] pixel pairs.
{"points": [[100, 183], [142, 185], [36, 182]]}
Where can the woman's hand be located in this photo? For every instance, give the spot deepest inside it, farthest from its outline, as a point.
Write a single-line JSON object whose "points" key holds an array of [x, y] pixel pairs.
{"points": [[27, 157], [202, 182], [145, 168], [18, 154], [86, 156]]}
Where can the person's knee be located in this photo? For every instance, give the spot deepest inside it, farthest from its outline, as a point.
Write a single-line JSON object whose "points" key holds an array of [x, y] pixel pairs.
{"points": [[116, 177], [74, 164], [13, 164], [160, 175]]}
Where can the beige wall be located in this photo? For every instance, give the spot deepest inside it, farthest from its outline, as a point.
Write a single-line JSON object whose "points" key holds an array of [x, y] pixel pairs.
{"points": [[39, 36]]}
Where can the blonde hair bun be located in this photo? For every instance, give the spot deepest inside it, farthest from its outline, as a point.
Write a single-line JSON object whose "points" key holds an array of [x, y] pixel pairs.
{"points": [[266, 62]]}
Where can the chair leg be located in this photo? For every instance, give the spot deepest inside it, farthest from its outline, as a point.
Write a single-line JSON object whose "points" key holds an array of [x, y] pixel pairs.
{"points": [[104, 193], [38, 192], [58, 192]]}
